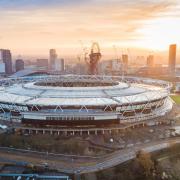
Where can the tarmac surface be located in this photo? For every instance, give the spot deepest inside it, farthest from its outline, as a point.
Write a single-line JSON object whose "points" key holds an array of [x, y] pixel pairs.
{"points": [[76, 165]]}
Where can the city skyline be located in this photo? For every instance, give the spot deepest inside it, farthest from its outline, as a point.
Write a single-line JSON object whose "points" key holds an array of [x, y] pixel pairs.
{"points": [[34, 27], [90, 89]]}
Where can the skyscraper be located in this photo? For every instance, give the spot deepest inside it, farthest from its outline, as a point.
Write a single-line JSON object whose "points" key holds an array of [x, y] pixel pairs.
{"points": [[19, 65], [59, 65], [52, 58], [172, 58], [125, 62], [2, 65], [150, 61], [7, 60]]}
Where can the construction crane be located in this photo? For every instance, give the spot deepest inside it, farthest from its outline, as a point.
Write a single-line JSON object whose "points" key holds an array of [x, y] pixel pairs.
{"points": [[85, 51], [116, 53], [94, 58], [120, 59]]}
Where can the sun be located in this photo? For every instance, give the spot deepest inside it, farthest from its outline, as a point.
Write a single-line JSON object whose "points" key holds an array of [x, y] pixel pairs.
{"points": [[158, 34]]}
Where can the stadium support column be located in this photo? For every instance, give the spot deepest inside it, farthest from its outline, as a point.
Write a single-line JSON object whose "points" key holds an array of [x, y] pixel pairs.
{"points": [[65, 132], [81, 133]]}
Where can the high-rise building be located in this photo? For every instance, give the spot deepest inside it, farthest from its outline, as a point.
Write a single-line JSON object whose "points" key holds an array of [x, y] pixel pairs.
{"points": [[5, 56], [150, 61], [52, 58], [125, 62], [59, 65], [2, 64], [42, 64], [172, 58], [19, 65]]}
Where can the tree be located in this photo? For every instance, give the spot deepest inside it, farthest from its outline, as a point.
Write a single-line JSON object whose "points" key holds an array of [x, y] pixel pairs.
{"points": [[145, 161]]}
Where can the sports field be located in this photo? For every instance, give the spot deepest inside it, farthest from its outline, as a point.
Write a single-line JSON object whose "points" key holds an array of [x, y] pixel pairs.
{"points": [[176, 98]]}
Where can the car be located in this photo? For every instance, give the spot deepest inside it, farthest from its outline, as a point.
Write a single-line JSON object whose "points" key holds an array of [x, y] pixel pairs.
{"points": [[45, 164], [3, 127]]}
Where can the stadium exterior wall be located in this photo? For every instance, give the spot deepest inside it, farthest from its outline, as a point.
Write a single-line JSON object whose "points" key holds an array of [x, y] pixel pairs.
{"points": [[83, 100]]}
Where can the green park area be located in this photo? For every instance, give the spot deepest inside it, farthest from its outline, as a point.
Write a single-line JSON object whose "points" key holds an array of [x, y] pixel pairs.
{"points": [[51, 144], [176, 98]]}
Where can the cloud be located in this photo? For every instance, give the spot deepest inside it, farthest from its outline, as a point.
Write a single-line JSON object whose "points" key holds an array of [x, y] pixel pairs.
{"points": [[42, 23], [18, 4], [55, 3]]}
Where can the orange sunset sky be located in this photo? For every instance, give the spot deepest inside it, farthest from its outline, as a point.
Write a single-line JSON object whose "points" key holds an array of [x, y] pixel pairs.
{"points": [[31, 27]]}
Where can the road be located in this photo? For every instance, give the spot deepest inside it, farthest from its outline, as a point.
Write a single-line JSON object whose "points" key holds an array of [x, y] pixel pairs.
{"points": [[85, 165]]}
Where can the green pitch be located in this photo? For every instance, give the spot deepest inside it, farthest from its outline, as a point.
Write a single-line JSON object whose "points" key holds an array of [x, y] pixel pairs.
{"points": [[176, 98]]}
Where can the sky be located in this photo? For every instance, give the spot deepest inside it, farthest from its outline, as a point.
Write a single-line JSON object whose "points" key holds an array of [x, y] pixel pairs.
{"points": [[31, 27]]}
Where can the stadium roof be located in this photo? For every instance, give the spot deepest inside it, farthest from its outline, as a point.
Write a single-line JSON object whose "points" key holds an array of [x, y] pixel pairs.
{"points": [[28, 72], [29, 93]]}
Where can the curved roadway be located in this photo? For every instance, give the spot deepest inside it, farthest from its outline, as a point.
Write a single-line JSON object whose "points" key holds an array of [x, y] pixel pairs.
{"points": [[80, 165]]}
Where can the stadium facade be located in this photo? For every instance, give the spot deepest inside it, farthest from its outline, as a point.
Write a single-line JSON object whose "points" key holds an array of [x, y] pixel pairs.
{"points": [[83, 101]]}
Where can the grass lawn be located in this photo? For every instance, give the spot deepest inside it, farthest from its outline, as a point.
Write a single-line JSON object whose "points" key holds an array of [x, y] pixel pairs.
{"points": [[176, 98]]}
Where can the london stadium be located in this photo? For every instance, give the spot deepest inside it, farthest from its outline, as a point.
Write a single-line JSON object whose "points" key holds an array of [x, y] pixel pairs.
{"points": [[83, 101]]}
